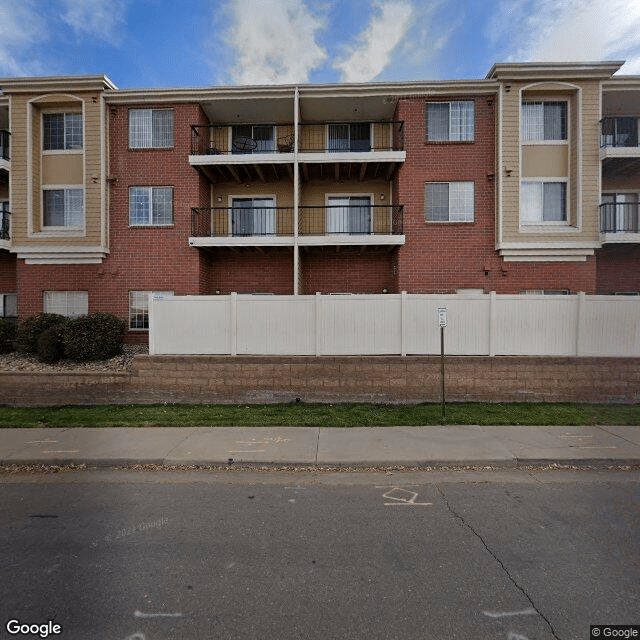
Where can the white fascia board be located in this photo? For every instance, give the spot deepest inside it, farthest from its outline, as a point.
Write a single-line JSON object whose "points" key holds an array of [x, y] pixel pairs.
{"points": [[346, 239], [242, 241], [351, 156]]}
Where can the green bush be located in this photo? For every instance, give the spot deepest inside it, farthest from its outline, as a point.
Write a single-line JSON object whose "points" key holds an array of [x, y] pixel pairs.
{"points": [[7, 336], [30, 328], [95, 337], [50, 347]]}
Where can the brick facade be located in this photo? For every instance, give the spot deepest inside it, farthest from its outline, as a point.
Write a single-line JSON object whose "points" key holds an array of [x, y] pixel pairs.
{"points": [[618, 268], [140, 258]]}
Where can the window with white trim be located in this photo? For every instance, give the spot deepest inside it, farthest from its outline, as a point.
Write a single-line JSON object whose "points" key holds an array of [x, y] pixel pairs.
{"points": [[61, 131], [451, 121], [63, 207], [544, 121], [543, 202], [66, 303], [150, 128], [139, 307], [150, 206], [449, 201]]}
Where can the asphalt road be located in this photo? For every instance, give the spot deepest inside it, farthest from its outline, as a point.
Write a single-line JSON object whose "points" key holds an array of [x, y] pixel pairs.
{"points": [[122, 555]]}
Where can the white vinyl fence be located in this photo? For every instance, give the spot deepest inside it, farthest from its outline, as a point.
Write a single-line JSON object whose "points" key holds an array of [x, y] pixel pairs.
{"points": [[396, 324]]}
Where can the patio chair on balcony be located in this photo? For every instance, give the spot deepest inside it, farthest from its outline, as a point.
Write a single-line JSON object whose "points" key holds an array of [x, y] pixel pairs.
{"points": [[285, 144]]}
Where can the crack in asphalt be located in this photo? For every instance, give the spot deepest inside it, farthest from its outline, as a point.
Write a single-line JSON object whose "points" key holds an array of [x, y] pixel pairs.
{"points": [[496, 558]]}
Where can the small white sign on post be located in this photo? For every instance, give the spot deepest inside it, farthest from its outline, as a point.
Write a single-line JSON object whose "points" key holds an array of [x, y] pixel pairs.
{"points": [[442, 316]]}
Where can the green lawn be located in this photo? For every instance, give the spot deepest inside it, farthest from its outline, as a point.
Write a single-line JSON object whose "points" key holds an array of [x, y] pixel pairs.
{"points": [[320, 415]]}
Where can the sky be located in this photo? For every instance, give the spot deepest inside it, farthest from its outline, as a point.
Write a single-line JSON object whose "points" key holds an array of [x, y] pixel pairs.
{"points": [[198, 43]]}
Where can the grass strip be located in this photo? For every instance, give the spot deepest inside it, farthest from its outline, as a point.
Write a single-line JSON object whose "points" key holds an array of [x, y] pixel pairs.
{"points": [[319, 415]]}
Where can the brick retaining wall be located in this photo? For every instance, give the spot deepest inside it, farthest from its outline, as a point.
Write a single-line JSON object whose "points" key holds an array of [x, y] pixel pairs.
{"points": [[251, 379]]}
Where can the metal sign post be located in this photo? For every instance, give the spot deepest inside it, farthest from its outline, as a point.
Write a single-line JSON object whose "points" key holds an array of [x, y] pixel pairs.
{"points": [[442, 321]]}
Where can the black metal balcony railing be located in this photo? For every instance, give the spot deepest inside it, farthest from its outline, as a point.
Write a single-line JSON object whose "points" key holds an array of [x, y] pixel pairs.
{"points": [[315, 137], [5, 224], [343, 137], [619, 132], [209, 222], [353, 220], [620, 217], [226, 139], [4, 145]]}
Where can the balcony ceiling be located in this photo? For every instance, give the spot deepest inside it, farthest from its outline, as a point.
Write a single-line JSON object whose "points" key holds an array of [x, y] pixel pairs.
{"points": [[279, 110], [620, 167]]}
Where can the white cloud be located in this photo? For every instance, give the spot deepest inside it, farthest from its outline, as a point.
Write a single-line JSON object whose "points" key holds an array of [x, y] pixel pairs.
{"points": [[102, 19], [372, 53], [568, 30], [19, 22], [274, 41]]}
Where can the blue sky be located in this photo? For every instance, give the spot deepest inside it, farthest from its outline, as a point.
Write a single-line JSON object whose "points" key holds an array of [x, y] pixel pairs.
{"points": [[165, 43]]}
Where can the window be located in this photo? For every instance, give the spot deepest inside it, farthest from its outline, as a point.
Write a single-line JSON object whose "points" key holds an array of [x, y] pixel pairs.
{"points": [[350, 137], [543, 202], [150, 128], [247, 138], [150, 205], [349, 214], [449, 201], [253, 217], [139, 307], [450, 121], [66, 303], [8, 305], [544, 121], [63, 207], [61, 131]]}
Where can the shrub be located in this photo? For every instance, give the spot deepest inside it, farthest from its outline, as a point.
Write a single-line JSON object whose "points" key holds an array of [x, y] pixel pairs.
{"points": [[7, 336], [95, 337], [50, 347], [30, 328]]}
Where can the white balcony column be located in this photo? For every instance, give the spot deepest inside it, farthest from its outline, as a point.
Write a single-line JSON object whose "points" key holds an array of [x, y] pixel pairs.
{"points": [[296, 194]]}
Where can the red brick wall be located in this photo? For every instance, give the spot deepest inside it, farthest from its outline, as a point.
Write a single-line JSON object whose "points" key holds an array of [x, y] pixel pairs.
{"points": [[440, 258], [140, 258], [7, 272], [269, 270], [618, 268], [347, 271]]}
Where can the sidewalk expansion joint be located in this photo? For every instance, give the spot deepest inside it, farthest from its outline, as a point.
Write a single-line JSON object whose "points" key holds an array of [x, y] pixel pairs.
{"points": [[317, 445], [496, 558]]}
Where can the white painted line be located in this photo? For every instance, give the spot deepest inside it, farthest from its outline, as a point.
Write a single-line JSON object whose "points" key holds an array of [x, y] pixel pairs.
{"points": [[249, 451], [516, 636], [579, 447], [509, 614], [139, 614], [403, 497], [41, 442], [575, 436], [70, 451], [136, 636]]}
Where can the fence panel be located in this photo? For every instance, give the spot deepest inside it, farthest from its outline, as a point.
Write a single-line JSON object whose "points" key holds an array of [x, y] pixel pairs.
{"points": [[610, 326], [190, 325], [479, 324], [535, 325], [275, 325], [360, 325]]}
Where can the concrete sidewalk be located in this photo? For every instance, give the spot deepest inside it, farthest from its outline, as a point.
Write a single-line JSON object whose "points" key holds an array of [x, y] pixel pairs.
{"points": [[507, 446]]}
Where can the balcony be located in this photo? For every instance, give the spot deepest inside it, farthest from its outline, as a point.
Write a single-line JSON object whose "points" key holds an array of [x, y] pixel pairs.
{"points": [[241, 153], [619, 222], [348, 150], [5, 157], [619, 146], [241, 227], [317, 226], [265, 152], [349, 224], [5, 226]]}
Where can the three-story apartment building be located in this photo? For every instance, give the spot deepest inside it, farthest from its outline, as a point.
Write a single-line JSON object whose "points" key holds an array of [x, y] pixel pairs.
{"points": [[526, 180]]}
